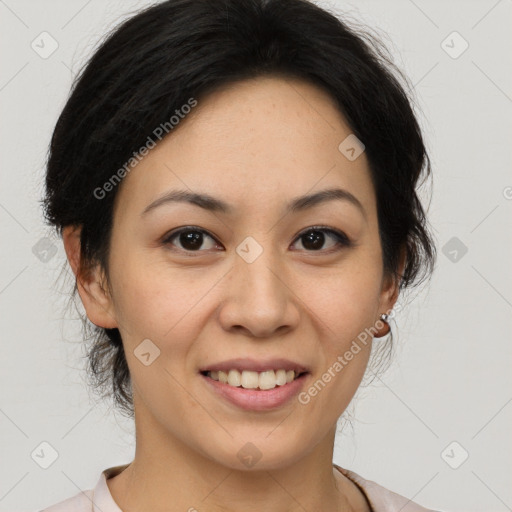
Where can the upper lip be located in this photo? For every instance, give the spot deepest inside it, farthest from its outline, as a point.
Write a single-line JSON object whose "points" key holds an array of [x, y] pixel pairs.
{"points": [[254, 365]]}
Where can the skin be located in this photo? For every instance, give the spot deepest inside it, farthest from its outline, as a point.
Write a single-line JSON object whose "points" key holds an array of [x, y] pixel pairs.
{"points": [[256, 145]]}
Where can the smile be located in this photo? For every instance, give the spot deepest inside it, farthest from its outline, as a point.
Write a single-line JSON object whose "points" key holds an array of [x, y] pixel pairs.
{"points": [[272, 395], [247, 379]]}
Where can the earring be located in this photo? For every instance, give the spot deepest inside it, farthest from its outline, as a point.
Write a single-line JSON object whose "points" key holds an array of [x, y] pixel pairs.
{"points": [[384, 318]]}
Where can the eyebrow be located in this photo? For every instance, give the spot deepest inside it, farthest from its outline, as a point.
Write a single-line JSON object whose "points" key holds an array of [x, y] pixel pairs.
{"points": [[210, 203]]}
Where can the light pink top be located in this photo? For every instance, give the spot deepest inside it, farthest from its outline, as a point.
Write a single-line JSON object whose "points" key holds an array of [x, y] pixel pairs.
{"points": [[99, 499]]}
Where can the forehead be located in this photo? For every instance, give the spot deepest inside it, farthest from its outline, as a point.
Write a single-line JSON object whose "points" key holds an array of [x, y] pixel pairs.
{"points": [[260, 141]]}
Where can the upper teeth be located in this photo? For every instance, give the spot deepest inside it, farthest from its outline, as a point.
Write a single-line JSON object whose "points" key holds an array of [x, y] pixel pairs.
{"points": [[251, 380]]}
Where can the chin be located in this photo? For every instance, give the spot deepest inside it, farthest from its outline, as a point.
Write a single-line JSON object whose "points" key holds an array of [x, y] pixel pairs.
{"points": [[257, 452]]}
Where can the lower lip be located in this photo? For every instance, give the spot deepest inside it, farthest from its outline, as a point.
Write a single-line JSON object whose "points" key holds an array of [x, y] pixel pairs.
{"points": [[255, 399]]}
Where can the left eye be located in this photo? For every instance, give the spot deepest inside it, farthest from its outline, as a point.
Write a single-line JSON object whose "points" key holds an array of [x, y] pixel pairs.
{"points": [[313, 239]]}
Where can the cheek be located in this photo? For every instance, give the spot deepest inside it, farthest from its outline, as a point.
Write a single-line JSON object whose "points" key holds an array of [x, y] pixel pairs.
{"points": [[163, 307], [343, 301], [160, 303]]}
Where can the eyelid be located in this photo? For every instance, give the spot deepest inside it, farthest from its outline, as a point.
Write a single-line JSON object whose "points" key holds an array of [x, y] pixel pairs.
{"points": [[342, 239], [166, 239]]}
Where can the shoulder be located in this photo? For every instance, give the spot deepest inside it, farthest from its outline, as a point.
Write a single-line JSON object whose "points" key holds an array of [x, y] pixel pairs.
{"points": [[81, 502], [97, 499], [380, 498]]}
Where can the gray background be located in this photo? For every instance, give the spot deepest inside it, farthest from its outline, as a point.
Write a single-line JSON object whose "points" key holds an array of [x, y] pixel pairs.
{"points": [[450, 380]]}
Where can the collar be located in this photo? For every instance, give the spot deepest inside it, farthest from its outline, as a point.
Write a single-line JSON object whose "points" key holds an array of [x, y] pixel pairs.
{"points": [[380, 499]]}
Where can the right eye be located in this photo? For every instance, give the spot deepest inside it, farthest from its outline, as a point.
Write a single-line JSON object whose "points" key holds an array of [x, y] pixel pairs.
{"points": [[190, 238]]}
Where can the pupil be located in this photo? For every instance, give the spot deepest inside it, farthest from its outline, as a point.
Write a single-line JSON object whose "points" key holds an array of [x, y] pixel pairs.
{"points": [[316, 238], [191, 239]]}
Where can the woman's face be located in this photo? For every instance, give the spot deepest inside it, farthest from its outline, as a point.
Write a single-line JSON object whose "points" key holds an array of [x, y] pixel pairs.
{"points": [[253, 283]]}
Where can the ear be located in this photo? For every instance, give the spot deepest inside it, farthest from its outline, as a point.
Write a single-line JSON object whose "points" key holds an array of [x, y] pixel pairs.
{"points": [[391, 286], [93, 292]]}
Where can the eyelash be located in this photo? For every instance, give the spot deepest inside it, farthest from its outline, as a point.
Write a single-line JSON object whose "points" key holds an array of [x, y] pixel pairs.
{"points": [[342, 240]]}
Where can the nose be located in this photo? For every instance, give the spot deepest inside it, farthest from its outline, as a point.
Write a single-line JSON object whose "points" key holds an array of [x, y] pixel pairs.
{"points": [[259, 299]]}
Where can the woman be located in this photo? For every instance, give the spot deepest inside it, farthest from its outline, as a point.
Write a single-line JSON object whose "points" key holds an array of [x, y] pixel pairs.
{"points": [[235, 186]]}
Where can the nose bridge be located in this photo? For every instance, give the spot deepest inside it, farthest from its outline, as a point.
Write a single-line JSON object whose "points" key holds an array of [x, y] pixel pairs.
{"points": [[258, 299], [257, 266]]}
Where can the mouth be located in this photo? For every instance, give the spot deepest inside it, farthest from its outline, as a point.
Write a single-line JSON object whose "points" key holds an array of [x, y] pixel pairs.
{"points": [[255, 386], [261, 381]]}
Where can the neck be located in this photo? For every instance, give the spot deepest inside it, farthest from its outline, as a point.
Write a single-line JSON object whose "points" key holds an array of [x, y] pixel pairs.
{"points": [[166, 474]]}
